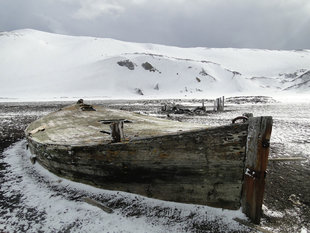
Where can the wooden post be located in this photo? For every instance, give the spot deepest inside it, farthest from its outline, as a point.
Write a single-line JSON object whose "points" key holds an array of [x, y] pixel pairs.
{"points": [[203, 105], [216, 105], [117, 131], [164, 108], [257, 151], [219, 104]]}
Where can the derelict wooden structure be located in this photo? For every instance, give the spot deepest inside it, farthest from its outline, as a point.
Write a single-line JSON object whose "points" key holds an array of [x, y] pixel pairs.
{"points": [[219, 104], [158, 158]]}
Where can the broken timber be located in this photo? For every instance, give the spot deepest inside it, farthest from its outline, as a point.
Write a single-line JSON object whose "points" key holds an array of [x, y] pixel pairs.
{"points": [[158, 158], [117, 128], [219, 104], [98, 204], [257, 151]]}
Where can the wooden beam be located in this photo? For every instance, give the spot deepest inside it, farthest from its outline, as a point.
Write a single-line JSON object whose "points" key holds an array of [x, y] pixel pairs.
{"points": [[117, 130], [257, 151], [219, 104], [98, 204]]}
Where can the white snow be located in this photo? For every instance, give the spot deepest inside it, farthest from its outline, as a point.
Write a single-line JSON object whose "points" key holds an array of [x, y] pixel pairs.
{"points": [[272, 213], [40, 65]]}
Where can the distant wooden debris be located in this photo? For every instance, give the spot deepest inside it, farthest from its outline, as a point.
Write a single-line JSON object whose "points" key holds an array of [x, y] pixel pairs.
{"points": [[175, 108], [219, 104], [180, 109]]}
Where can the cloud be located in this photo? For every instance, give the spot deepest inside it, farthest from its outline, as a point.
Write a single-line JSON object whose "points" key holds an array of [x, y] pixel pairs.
{"points": [[90, 9], [271, 24]]}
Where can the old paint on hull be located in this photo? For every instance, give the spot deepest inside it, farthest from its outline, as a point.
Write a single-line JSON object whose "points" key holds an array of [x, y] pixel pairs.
{"points": [[158, 158]]}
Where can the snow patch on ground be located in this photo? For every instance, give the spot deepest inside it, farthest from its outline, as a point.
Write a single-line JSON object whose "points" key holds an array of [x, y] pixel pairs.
{"points": [[58, 203], [272, 213]]}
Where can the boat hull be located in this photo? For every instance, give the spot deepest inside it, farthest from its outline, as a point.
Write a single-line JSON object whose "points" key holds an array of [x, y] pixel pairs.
{"points": [[203, 166]]}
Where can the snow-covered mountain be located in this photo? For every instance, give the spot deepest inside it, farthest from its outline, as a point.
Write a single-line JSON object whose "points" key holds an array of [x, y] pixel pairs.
{"points": [[40, 65]]}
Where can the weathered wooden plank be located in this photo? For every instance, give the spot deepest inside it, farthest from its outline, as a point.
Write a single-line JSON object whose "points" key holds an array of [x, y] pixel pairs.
{"points": [[201, 167], [219, 104], [257, 152], [117, 130], [98, 204]]}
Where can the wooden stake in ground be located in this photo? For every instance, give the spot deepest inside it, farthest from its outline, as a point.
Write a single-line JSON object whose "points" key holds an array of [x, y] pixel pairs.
{"points": [[257, 151], [117, 130], [219, 104]]}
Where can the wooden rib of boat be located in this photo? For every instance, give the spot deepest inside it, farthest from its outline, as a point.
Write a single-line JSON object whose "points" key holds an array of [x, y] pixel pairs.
{"points": [[158, 158]]}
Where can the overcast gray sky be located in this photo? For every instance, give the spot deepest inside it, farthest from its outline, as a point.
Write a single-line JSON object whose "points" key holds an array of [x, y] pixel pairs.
{"points": [[270, 24]]}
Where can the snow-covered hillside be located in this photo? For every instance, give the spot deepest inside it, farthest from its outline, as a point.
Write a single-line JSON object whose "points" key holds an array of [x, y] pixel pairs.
{"points": [[35, 64]]}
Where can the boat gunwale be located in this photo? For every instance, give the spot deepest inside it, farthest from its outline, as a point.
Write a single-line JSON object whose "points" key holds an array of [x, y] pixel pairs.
{"points": [[132, 140]]}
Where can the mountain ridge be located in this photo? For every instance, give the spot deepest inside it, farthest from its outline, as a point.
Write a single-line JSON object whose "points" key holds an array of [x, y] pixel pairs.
{"points": [[40, 64]]}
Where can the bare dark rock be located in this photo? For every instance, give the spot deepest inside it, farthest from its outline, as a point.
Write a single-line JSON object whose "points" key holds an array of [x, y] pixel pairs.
{"points": [[156, 87], [127, 63], [236, 73], [203, 72], [139, 91], [303, 82], [291, 76], [148, 66]]}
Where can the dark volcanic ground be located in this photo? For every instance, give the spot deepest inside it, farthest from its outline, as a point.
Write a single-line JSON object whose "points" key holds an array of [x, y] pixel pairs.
{"points": [[287, 196], [14, 118]]}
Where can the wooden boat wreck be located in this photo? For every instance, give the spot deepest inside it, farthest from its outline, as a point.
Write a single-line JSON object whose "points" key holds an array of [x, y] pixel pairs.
{"points": [[175, 161]]}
